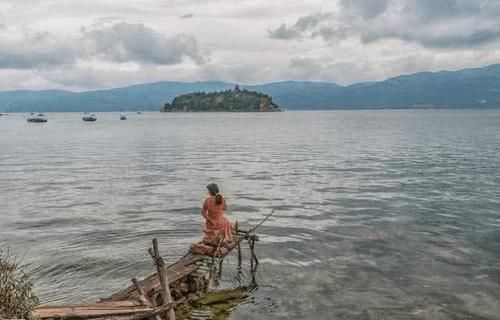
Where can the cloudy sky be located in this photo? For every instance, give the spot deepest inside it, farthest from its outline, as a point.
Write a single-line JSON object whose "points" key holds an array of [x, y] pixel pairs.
{"points": [[92, 44]]}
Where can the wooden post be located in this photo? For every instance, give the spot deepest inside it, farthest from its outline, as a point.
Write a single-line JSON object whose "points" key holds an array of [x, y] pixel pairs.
{"points": [[253, 259], [162, 275], [238, 247], [251, 255], [219, 273], [254, 254]]}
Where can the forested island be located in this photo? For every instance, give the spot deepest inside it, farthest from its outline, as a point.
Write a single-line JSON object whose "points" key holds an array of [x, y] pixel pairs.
{"points": [[235, 100]]}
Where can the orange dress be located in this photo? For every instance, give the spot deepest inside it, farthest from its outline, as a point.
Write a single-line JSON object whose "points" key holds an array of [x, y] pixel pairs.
{"points": [[216, 223]]}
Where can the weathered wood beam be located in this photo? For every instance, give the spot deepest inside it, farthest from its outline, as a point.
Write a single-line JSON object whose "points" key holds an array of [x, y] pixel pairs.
{"points": [[163, 278], [92, 310], [123, 310]]}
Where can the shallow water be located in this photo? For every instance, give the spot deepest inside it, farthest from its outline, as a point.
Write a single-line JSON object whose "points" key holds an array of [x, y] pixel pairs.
{"points": [[379, 214]]}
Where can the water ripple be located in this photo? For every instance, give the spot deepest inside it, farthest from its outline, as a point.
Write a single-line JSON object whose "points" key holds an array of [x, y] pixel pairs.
{"points": [[379, 214]]}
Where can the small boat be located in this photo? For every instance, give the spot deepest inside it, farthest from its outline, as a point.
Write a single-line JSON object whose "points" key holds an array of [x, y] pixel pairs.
{"points": [[138, 112], [89, 117], [123, 117], [38, 118]]}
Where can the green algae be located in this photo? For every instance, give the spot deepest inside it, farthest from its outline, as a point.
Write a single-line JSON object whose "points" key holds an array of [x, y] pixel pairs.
{"points": [[217, 305]]}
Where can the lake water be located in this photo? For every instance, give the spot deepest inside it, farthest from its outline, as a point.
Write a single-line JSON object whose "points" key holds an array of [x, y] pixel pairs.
{"points": [[379, 214]]}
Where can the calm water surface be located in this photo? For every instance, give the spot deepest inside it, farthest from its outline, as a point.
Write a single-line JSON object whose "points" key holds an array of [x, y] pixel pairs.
{"points": [[379, 214]]}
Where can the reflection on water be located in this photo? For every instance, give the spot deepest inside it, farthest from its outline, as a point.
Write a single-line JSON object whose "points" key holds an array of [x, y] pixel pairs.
{"points": [[379, 214]]}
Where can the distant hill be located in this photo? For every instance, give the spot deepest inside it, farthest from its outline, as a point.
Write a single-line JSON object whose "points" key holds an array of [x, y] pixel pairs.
{"points": [[150, 96], [472, 88], [228, 100]]}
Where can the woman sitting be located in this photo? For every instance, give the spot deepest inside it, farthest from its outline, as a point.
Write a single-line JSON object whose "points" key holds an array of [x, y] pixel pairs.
{"points": [[216, 224]]}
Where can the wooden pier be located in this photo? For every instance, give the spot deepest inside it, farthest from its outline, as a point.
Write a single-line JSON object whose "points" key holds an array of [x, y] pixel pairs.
{"points": [[159, 295]]}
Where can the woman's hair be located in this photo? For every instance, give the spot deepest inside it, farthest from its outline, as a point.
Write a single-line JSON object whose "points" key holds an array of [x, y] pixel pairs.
{"points": [[213, 189]]}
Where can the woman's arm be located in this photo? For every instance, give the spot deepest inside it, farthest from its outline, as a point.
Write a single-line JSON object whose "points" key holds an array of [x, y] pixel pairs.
{"points": [[204, 209]]}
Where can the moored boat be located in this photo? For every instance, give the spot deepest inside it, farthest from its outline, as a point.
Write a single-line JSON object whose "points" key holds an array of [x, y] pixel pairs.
{"points": [[38, 118], [89, 117]]}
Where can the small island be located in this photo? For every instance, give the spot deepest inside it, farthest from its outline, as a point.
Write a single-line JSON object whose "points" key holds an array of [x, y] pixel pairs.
{"points": [[235, 100]]}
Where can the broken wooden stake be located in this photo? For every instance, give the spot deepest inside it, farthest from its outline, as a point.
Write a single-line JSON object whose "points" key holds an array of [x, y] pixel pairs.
{"points": [[163, 277], [142, 296]]}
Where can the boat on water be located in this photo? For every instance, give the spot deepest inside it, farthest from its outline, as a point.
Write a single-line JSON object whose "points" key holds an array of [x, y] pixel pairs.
{"points": [[123, 117], [89, 117], [38, 118]]}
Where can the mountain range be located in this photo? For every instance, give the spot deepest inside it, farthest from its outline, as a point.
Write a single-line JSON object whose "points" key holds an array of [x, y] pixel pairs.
{"points": [[467, 88]]}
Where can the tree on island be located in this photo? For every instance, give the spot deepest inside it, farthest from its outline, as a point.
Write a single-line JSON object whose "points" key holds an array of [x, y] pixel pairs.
{"points": [[235, 100]]}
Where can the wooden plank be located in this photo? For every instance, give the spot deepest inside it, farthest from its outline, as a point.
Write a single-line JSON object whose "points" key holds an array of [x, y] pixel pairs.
{"points": [[128, 309], [107, 304], [88, 311], [175, 272]]}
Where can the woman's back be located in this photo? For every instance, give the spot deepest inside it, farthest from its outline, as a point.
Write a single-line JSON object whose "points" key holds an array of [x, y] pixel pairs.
{"points": [[213, 210]]}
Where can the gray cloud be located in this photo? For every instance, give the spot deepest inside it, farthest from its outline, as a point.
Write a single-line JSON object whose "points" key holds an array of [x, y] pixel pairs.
{"points": [[310, 25], [366, 8], [35, 50], [284, 32], [428, 10], [119, 42], [464, 37], [434, 24], [125, 42]]}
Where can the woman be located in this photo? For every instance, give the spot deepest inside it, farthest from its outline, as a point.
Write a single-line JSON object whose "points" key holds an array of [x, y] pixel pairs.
{"points": [[216, 224]]}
